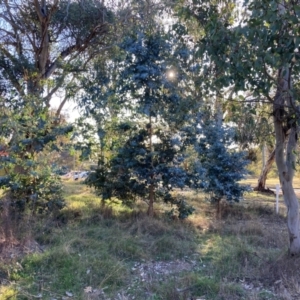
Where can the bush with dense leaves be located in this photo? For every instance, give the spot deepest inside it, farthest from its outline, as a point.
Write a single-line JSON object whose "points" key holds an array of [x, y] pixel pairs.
{"points": [[220, 166]]}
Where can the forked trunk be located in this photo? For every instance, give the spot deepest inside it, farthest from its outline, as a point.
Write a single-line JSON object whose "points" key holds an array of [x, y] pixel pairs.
{"points": [[261, 186], [286, 143]]}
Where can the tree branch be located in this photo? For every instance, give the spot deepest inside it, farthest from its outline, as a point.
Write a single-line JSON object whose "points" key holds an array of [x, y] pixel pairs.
{"points": [[79, 47], [62, 56], [61, 105], [38, 8], [47, 98], [266, 71]]}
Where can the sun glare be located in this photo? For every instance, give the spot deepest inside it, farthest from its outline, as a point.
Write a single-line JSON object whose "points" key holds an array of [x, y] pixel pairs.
{"points": [[171, 74]]}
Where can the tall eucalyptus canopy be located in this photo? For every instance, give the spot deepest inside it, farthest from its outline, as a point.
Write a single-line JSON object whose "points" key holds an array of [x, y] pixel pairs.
{"points": [[45, 43], [44, 46]]}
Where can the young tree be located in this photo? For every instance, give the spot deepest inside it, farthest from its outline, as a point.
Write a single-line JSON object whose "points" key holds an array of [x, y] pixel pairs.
{"points": [[148, 164], [219, 167]]}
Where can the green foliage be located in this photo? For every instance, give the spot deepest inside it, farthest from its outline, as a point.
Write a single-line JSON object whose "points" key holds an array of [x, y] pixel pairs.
{"points": [[40, 193], [82, 18], [28, 182], [53, 43], [183, 209], [245, 55], [247, 60], [255, 126]]}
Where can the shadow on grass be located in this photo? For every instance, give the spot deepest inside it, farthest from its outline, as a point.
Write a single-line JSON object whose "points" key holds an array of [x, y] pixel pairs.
{"points": [[113, 251]]}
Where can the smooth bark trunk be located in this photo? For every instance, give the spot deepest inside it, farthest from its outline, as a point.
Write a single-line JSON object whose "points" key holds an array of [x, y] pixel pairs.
{"points": [[261, 185], [286, 143]]}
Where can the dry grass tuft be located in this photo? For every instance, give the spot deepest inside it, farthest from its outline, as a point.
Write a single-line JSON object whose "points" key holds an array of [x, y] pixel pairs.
{"points": [[16, 232], [285, 268], [245, 228], [232, 291], [148, 226]]}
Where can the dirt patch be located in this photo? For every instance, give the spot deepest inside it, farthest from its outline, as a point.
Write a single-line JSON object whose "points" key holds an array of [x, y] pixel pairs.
{"points": [[144, 277], [158, 269], [14, 250]]}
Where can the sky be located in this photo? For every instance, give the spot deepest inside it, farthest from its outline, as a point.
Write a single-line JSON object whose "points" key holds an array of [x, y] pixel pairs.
{"points": [[69, 110]]}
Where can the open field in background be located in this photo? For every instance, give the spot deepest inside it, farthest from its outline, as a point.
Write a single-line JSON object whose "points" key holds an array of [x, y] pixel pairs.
{"points": [[91, 251], [271, 182]]}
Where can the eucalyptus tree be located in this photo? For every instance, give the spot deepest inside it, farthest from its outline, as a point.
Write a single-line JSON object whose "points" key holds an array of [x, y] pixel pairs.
{"points": [[258, 52], [44, 46], [147, 164], [45, 43]]}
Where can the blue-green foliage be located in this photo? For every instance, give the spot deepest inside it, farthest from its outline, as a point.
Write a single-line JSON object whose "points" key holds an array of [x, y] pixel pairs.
{"points": [[145, 122], [143, 83], [135, 167], [151, 154], [219, 167]]}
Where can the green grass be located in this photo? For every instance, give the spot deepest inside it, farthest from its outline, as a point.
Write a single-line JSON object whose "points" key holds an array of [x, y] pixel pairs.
{"points": [[98, 252]]}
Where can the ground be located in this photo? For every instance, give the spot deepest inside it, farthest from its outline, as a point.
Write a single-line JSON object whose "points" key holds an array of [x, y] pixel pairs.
{"points": [[91, 251]]}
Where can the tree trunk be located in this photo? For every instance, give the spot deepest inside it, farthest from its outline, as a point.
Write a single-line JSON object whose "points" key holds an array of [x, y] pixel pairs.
{"points": [[261, 186], [286, 130], [286, 175], [150, 211]]}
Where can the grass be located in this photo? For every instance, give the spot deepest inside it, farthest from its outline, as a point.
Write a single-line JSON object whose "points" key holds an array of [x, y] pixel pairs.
{"points": [[91, 251], [271, 182]]}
